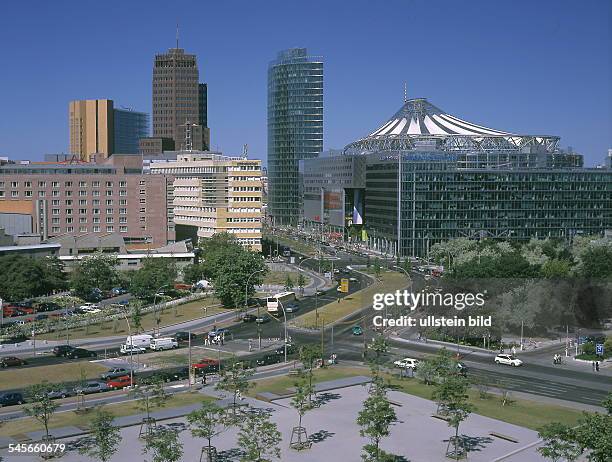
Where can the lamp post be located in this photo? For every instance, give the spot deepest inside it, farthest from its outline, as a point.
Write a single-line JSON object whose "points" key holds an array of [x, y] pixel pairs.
{"points": [[285, 317], [157, 319], [246, 289], [131, 349]]}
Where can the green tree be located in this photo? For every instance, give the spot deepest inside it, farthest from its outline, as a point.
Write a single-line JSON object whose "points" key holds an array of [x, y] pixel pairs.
{"points": [[155, 274], [97, 271], [258, 437], [164, 444], [302, 403], [229, 285], [150, 397], [451, 394], [301, 282], [380, 347], [554, 269], [207, 423], [559, 443], [309, 355], [41, 406], [24, 277], [104, 437], [289, 283], [136, 318], [375, 420], [597, 262], [234, 379], [194, 273]]}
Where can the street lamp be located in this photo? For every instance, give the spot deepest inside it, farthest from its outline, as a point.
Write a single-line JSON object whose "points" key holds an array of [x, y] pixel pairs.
{"points": [[285, 316], [246, 289], [131, 348], [157, 319]]}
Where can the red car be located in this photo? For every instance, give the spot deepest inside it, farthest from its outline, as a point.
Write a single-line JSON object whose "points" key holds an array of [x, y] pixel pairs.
{"points": [[8, 361], [207, 364], [119, 382]]}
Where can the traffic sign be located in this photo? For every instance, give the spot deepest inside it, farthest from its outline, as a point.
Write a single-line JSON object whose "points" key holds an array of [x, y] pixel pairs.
{"points": [[344, 285], [599, 349]]}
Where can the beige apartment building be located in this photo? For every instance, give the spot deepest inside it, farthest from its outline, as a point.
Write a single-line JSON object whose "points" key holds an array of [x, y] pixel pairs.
{"points": [[91, 128], [213, 193]]}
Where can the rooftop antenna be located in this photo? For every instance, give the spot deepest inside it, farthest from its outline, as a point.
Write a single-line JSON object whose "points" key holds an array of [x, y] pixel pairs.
{"points": [[177, 35], [405, 92], [245, 150]]}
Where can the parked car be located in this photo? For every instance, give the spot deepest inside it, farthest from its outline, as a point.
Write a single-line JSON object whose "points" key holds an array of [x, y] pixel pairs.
{"points": [[119, 382], [9, 361], [507, 359], [406, 363], [291, 348], [183, 336], [114, 373], [160, 344], [207, 364], [268, 359], [292, 308], [249, 318], [11, 398], [118, 291], [81, 353], [357, 330], [262, 319], [89, 306], [48, 306], [62, 350], [59, 393], [91, 387], [131, 349]]}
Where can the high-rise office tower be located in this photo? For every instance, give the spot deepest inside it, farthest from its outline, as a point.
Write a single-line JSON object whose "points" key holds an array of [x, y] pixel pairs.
{"points": [[91, 125], [295, 127], [177, 109], [130, 127]]}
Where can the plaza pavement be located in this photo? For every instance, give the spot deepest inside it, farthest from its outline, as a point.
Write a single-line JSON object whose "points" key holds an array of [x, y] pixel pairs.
{"points": [[418, 436]]}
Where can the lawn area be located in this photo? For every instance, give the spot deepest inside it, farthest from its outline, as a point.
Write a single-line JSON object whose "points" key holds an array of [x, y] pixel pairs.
{"points": [[298, 246], [280, 385], [279, 278], [390, 281], [522, 412], [17, 377], [70, 418], [184, 312]]}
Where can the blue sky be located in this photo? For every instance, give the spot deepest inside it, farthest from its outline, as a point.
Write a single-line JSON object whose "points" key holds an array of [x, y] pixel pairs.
{"points": [[541, 67]]}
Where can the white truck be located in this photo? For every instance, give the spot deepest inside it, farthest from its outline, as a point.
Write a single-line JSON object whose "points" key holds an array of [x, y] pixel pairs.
{"points": [[141, 341], [160, 344]]}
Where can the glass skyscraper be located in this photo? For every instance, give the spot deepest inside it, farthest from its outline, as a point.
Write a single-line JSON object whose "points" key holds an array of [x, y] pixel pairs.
{"points": [[295, 127], [130, 127]]}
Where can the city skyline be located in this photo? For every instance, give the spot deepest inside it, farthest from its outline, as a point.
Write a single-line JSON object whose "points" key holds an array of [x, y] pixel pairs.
{"points": [[527, 77]]}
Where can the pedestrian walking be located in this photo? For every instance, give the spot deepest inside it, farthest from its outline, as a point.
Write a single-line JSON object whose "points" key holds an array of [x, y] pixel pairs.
{"points": [[593, 364], [250, 345], [597, 366]]}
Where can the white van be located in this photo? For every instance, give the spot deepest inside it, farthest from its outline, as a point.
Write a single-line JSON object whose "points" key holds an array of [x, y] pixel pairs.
{"points": [[142, 340], [159, 344]]}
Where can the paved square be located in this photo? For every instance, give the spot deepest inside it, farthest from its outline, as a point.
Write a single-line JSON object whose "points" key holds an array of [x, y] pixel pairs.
{"points": [[418, 437]]}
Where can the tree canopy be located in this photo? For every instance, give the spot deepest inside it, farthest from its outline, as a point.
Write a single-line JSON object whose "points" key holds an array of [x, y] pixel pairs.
{"points": [[24, 277]]}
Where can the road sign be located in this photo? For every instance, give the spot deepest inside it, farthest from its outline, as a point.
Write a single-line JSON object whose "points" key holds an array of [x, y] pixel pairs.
{"points": [[599, 349], [344, 285]]}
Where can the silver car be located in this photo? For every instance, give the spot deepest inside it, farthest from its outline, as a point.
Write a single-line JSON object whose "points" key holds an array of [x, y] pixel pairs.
{"points": [[91, 387]]}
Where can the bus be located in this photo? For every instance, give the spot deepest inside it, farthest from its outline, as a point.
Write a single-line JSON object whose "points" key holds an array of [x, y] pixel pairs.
{"points": [[283, 298]]}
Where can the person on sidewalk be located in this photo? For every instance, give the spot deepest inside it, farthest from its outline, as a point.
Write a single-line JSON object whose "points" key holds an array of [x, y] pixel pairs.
{"points": [[593, 364], [596, 366]]}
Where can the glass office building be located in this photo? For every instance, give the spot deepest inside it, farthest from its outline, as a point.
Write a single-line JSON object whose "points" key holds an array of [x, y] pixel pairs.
{"points": [[430, 177], [295, 128], [130, 127]]}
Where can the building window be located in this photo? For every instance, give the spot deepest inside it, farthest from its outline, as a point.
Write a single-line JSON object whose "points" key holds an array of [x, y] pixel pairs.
{"points": [[123, 229], [55, 212], [42, 184], [55, 193], [123, 184], [68, 220], [96, 211], [110, 220], [82, 201], [55, 230], [96, 219], [55, 184], [14, 193], [68, 184], [142, 210], [41, 193], [1, 193], [142, 182], [123, 220], [96, 229], [123, 192], [109, 192], [82, 229], [83, 211], [122, 211], [68, 193], [28, 184], [109, 211], [69, 229], [109, 184], [82, 193], [68, 211], [55, 202], [95, 202], [109, 202], [122, 201], [143, 192], [110, 229], [28, 193], [143, 200], [95, 193], [82, 184], [14, 184], [82, 219], [55, 220], [68, 202], [95, 184]]}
